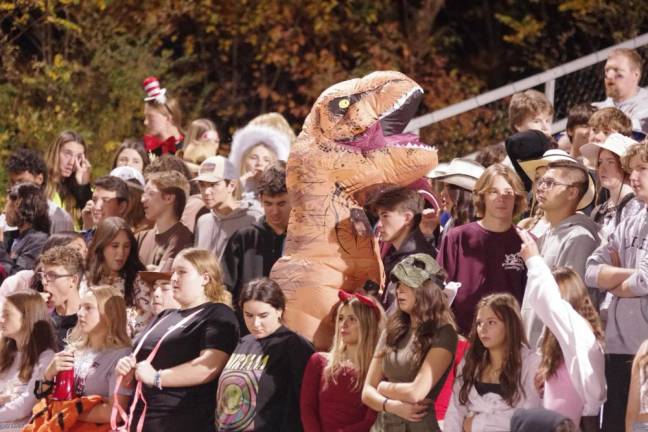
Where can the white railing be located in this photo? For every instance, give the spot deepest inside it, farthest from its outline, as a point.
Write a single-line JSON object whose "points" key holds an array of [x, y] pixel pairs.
{"points": [[547, 78]]}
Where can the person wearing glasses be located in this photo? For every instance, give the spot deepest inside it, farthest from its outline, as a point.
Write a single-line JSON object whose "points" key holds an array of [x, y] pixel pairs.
{"points": [[26, 209], [109, 198], [61, 273], [483, 255], [564, 188]]}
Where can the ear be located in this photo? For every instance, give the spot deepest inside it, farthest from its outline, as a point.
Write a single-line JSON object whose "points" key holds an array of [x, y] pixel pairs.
{"points": [[39, 179], [168, 198], [409, 216], [205, 279]]}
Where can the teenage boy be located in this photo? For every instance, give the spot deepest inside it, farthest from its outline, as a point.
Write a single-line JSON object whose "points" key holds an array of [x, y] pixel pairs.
{"points": [[564, 188], [399, 212], [252, 251], [164, 199], [484, 256], [529, 115], [530, 110], [227, 214], [28, 166], [61, 273], [619, 267], [109, 198]]}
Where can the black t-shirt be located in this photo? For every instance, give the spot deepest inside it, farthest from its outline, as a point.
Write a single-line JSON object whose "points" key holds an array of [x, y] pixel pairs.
{"points": [[260, 385], [62, 325], [214, 327]]}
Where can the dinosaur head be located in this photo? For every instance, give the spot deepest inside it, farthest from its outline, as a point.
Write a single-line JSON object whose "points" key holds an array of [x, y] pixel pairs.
{"points": [[348, 110], [367, 116]]}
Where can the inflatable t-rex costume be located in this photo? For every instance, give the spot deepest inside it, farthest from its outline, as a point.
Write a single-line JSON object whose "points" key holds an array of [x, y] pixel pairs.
{"points": [[351, 141]]}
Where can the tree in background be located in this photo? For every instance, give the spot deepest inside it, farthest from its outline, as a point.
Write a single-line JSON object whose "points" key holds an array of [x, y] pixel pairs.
{"points": [[79, 64]]}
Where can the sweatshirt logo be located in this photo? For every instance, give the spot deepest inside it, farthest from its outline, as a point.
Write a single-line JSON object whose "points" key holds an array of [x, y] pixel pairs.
{"points": [[513, 262], [238, 391]]}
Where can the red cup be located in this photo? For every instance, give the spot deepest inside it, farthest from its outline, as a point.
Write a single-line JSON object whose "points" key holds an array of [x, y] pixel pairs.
{"points": [[64, 386]]}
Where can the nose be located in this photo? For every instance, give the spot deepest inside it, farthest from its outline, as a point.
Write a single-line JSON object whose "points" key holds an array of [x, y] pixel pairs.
{"points": [[257, 322]]}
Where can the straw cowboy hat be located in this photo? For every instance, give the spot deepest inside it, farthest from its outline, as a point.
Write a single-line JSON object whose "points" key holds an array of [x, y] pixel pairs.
{"points": [[615, 143], [459, 172], [554, 155]]}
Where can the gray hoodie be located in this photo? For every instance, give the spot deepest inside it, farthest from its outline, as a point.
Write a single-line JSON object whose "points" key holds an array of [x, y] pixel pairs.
{"points": [[568, 244], [213, 230], [627, 324]]}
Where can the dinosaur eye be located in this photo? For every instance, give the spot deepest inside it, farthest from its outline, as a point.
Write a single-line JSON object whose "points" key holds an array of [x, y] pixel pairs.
{"points": [[344, 103]]}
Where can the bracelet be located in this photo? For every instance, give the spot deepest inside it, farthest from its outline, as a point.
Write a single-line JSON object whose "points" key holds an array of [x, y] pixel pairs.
{"points": [[39, 393], [384, 406], [157, 381]]}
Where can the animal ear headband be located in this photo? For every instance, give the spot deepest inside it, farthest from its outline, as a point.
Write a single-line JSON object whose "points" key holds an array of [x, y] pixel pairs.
{"points": [[367, 301]]}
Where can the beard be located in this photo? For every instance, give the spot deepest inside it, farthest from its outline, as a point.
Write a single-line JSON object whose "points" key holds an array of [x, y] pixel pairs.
{"points": [[612, 91]]}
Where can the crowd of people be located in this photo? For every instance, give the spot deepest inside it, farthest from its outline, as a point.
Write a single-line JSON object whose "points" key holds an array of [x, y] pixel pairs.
{"points": [[516, 296]]}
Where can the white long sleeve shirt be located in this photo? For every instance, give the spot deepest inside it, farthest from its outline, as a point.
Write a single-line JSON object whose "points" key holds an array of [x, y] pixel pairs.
{"points": [[582, 352], [490, 412]]}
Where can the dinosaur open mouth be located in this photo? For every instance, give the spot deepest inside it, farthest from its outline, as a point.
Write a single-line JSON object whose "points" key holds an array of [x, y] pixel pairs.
{"points": [[393, 121]]}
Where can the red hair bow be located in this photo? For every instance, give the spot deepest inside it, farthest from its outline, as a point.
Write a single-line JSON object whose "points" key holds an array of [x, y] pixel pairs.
{"points": [[368, 301]]}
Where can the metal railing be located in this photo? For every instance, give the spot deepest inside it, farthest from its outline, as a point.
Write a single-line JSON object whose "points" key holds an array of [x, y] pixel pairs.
{"points": [[547, 78]]}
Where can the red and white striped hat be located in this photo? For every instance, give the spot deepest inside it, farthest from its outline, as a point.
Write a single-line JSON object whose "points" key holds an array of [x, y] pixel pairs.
{"points": [[153, 90]]}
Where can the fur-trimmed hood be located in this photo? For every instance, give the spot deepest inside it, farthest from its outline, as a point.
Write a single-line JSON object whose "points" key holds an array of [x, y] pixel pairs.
{"points": [[251, 135]]}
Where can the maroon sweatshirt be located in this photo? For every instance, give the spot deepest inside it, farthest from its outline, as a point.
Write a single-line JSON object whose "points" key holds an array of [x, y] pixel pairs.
{"points": [[484, 262]]}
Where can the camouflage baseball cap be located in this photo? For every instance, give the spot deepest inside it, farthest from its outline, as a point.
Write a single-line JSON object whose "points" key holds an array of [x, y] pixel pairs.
{"points": [[414, 270]]}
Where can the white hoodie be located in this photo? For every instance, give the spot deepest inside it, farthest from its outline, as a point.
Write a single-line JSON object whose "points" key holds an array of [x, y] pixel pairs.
{"points": [[490, 412], [582, 353]]}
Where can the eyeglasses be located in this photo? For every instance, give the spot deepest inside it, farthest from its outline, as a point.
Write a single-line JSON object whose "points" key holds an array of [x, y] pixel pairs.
{"points": [[550, 183], [51, 276]]}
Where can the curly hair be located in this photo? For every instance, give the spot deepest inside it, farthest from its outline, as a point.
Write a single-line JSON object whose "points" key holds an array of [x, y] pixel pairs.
{"points": [[27, 160], [31, 206], [477, 358], [573, 290], [273, 181], [432, 311]]}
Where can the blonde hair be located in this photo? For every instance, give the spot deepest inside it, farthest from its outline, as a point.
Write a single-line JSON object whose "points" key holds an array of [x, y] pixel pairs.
{"points": [[275, 121], [641, 358], [370, 325], [171, 108], [527, 104], [639, 149], [63, 186], [486, 181], [205, 261], [610, 120], [248, 151], [112, 315], [633, 57]]}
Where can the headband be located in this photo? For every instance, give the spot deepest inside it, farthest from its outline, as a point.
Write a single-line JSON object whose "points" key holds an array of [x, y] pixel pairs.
{"points": [[365, 300]]}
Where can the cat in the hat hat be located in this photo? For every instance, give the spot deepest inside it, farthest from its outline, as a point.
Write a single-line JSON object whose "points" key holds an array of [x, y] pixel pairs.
{"points": [[162, 120]]}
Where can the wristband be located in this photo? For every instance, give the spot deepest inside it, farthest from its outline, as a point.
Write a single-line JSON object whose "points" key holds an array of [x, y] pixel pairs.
{"points": [[157, 381], [384, 406]]}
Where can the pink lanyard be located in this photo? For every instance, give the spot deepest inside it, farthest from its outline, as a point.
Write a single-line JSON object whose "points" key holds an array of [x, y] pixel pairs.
{"points": [[116, 408]]}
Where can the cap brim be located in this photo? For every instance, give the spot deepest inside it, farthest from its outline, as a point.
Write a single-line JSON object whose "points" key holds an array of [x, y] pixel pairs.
{"points": [[461, 180], [530, 167], [150, 276], [590, 195], [208, 178]]}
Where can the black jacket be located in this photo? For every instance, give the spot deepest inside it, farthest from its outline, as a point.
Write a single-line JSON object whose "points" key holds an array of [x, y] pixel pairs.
{"points": [[250, 253], [24, 250]]}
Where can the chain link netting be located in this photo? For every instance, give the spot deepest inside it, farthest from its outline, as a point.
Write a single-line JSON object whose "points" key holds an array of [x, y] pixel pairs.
{"points": [[479, 128]]}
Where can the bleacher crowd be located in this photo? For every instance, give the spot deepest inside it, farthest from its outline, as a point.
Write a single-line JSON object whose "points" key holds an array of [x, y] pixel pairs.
{"points": [[516, 296]]}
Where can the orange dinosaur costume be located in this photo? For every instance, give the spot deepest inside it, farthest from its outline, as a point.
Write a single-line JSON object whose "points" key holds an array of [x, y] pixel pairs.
{"points": [[351, 141], [63, 416]]}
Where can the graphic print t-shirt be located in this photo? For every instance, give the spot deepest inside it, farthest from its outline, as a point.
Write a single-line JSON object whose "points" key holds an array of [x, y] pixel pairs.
{"points": [[260, 385]]}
